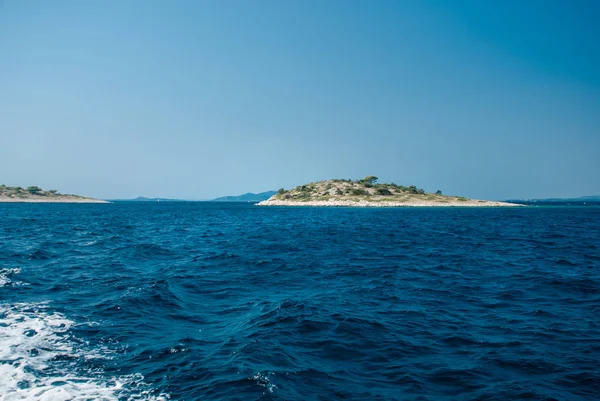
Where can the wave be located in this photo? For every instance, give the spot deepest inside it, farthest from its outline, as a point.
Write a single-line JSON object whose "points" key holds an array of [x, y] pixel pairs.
{"points": [[38, 355], [209, 303], [6, 277]]}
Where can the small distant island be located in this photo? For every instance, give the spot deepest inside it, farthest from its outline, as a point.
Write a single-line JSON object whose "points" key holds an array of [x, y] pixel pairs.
{"points": [[367, 192], [36, 194]]}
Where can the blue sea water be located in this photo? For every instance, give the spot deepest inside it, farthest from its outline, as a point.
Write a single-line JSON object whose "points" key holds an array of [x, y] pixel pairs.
{"points": [[217, 301]]}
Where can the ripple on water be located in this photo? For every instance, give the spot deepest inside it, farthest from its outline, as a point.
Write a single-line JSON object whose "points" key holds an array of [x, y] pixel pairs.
{"points": [[229, 301]]}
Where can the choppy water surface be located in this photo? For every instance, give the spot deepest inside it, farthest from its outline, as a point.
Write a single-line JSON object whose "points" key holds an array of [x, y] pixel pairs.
{"points": [[201, 301]]}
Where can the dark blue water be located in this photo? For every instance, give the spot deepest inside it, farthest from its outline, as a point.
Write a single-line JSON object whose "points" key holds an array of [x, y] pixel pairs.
{"points": [[201, 301]]}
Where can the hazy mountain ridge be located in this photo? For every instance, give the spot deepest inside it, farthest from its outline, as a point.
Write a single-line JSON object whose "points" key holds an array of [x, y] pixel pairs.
{"points": [[581, 199], [144, 199], [247, 197]]}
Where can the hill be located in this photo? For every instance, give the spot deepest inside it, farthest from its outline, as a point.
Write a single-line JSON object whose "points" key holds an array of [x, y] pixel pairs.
{"points": [[36, 194], [247, 197], [367, 192]]}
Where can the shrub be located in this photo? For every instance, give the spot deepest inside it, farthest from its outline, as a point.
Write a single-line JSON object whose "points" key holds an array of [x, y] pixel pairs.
{"points": [[359, 192], [383, 191], [281, 191], [438, 192]]}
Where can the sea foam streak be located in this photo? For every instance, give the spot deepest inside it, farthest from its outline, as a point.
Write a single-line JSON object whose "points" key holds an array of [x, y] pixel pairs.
{"points": [[33, 341], [5, 277]]}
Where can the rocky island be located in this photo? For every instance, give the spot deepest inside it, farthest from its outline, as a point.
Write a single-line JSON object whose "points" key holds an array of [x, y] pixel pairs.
{"points": [[35, 194], [367, 192]]}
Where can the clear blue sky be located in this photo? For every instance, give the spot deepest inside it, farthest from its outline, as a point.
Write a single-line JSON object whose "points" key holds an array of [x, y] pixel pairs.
{"points": [[198, 99]]}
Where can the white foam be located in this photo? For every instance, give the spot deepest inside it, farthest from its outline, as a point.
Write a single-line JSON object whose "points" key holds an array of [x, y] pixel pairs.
{"points": [[6, 275], [38, 361]]}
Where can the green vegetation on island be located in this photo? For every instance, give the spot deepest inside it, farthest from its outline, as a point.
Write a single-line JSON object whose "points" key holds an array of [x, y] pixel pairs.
{"points": [[37, 194], [367, 192], [367, 189]]}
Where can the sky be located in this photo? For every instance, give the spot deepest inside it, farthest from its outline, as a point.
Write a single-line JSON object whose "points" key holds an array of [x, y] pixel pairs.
{"points": [[199, 99]]}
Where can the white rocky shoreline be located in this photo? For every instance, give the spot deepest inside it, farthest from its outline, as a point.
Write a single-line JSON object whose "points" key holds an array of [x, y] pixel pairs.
{"points": [[361, 203]]}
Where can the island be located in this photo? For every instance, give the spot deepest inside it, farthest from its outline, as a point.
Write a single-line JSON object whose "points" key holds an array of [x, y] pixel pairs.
{"points": [[36, 194], [367, 192]]}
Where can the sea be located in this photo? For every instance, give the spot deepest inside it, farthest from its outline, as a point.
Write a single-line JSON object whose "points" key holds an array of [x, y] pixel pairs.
{"points": [[230, 301]]}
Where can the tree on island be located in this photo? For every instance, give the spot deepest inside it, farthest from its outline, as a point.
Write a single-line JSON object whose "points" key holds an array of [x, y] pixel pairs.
{"points": [[368, 181], [34, 190]]}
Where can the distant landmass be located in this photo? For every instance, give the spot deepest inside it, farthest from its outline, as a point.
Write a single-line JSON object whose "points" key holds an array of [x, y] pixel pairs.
{"points": [[579, 199], [556, 201], [367, 192], [247, 197], [35, 194], [143, 199]]}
